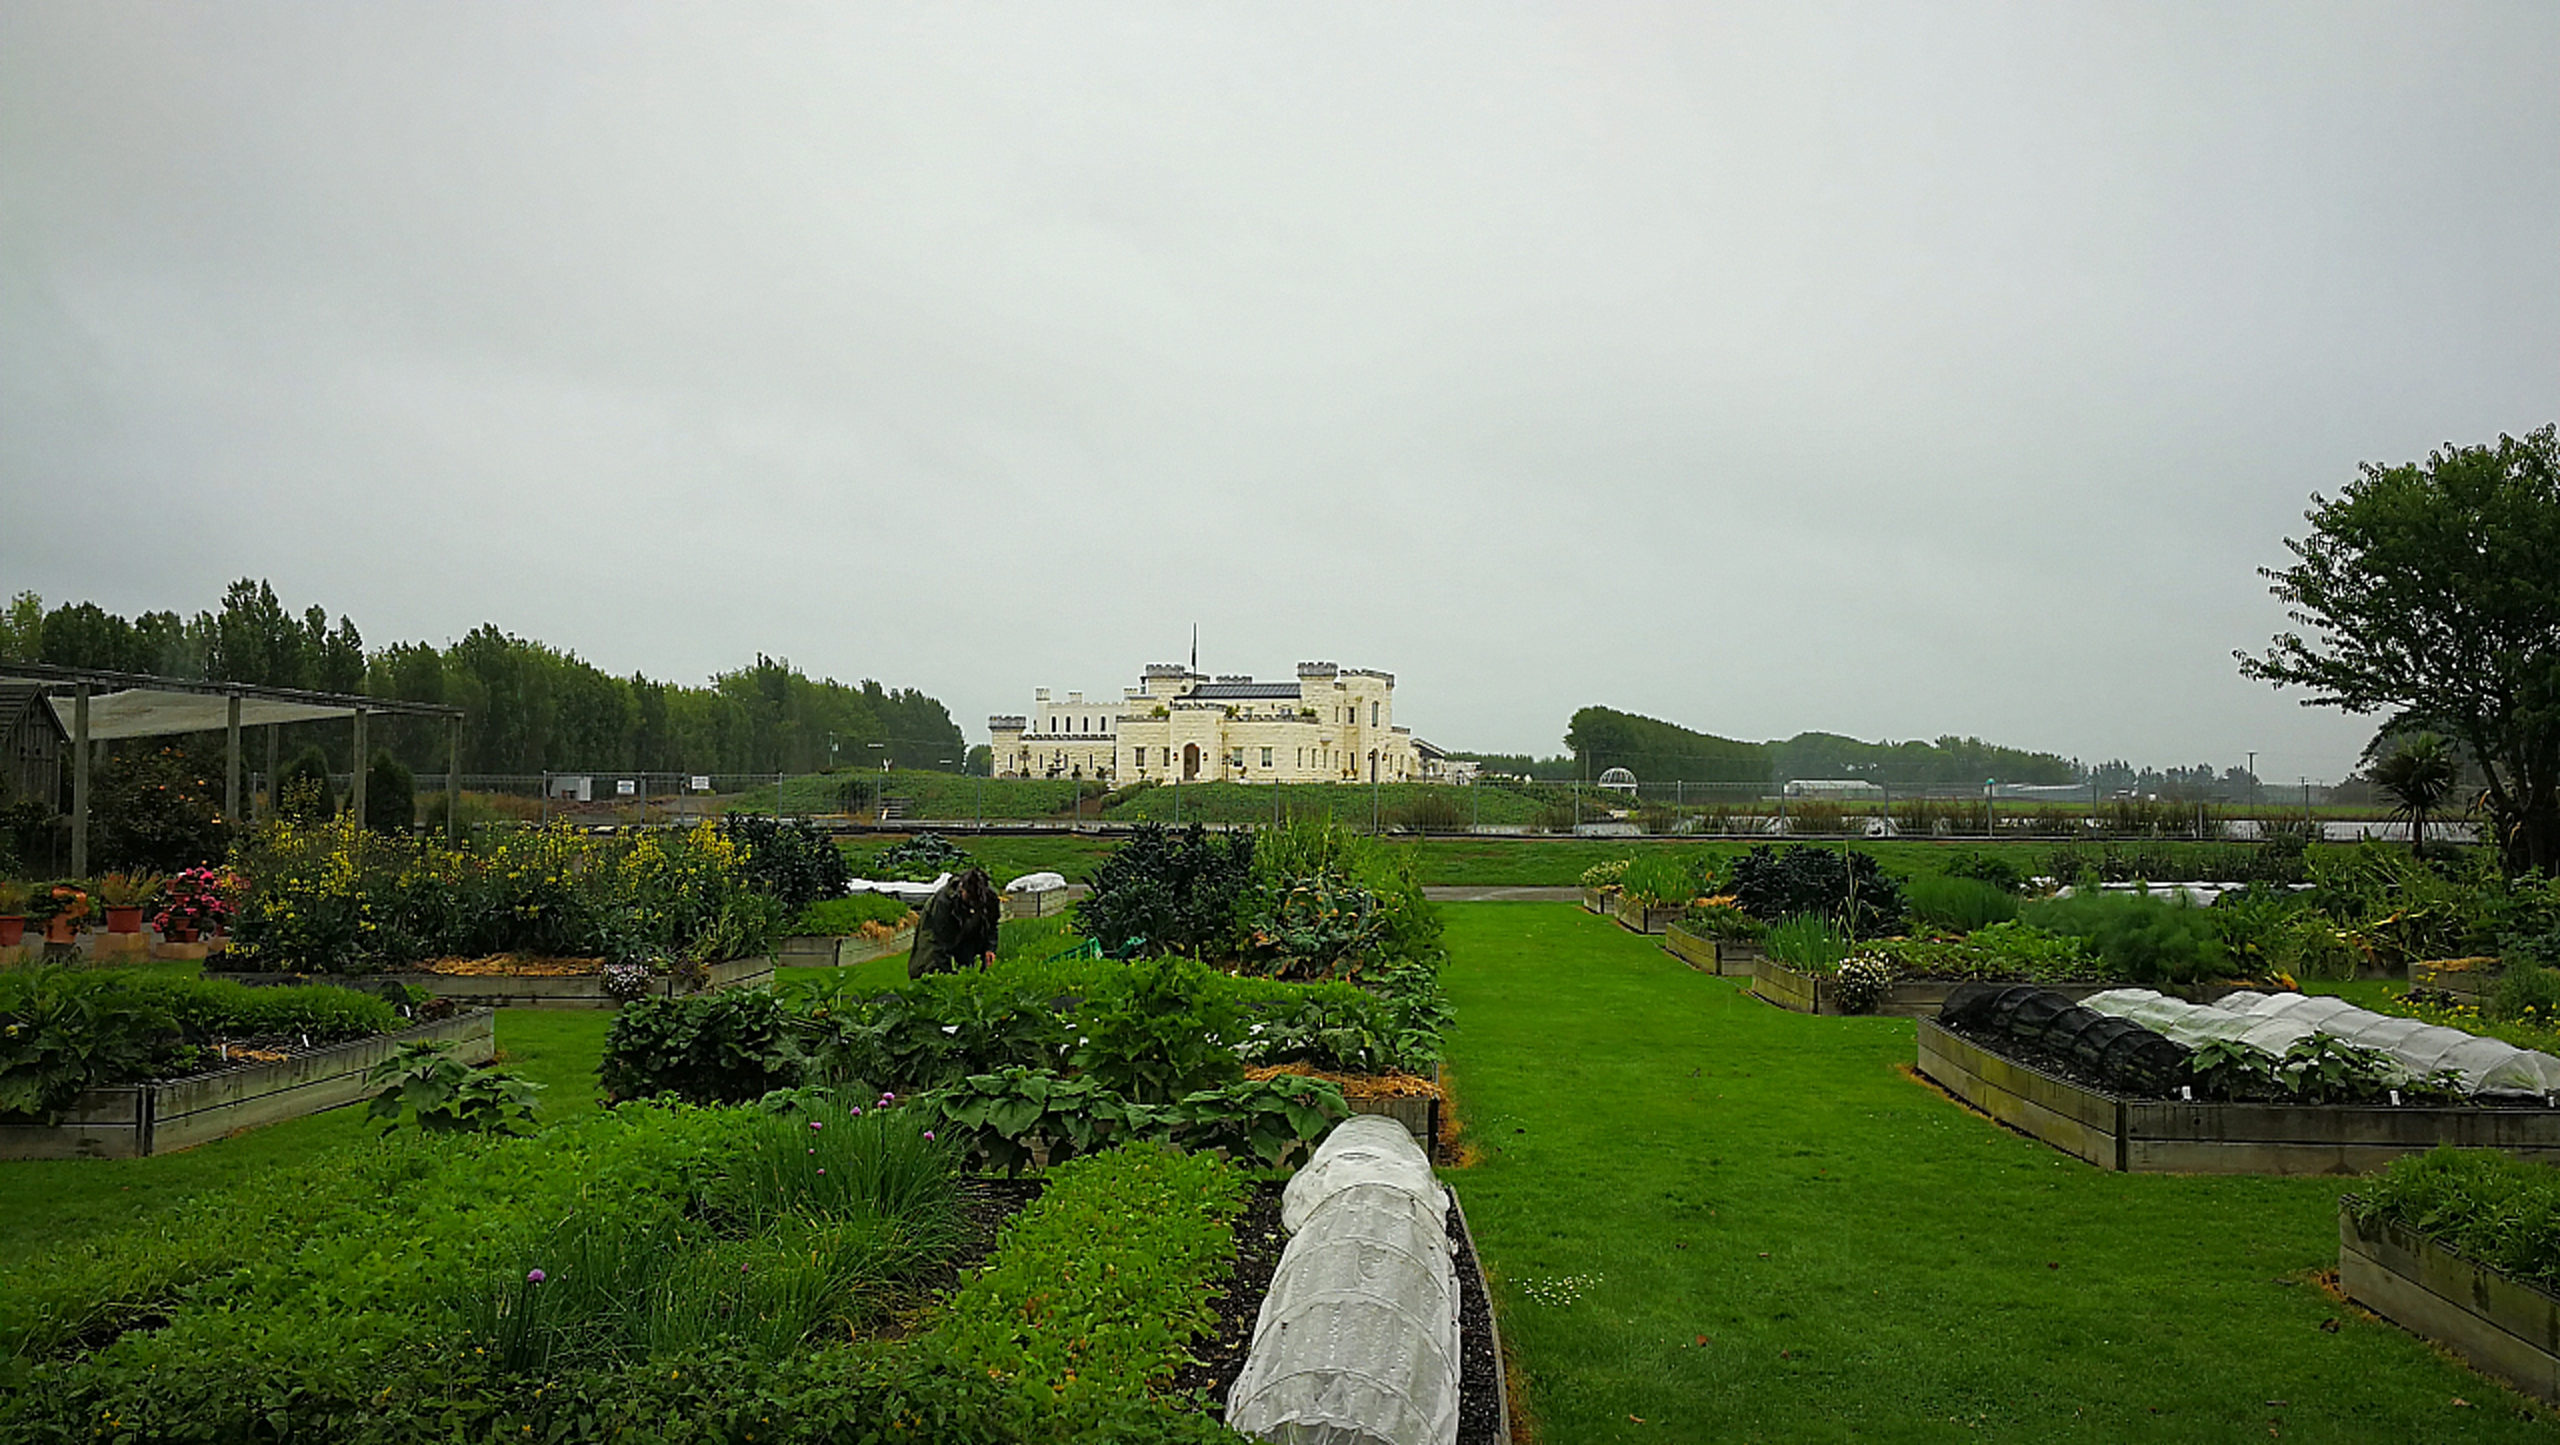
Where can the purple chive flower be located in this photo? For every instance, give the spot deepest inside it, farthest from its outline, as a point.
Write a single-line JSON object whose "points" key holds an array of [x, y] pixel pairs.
{"points": [[822, 1168], [928, 1133], [534, 1276], [857, 1111], [817, 1124]]}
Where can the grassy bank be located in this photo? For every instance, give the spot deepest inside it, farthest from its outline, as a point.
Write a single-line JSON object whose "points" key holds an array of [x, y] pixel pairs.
{"points": [[1714, 1220]]}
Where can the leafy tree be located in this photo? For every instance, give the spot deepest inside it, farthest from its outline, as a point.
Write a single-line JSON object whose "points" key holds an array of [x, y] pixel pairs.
{"points": [[22, 628], [2429, 590], [2420, 777]]}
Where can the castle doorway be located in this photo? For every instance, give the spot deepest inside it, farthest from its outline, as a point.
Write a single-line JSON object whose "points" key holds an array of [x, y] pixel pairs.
{"points": [[1190, 761]]}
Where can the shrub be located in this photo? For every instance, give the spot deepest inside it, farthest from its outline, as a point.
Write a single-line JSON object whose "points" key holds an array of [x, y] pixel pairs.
{"points": [[730, 1047], [156, 810], [920, 859], [428, 1088], [2141, 939], [1167, 892], [390, 795], [1958, 905], [1163, 1034], [2525, 993], [1864, 981], [793, 862], [1606, 874], [1771, 883], [1992, 868], [302, 790]]}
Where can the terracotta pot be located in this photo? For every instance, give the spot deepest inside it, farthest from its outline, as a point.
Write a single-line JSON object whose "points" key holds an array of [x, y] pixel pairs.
{"points": [[12, 929], [180, 933], [57, 929], [125, 920]]}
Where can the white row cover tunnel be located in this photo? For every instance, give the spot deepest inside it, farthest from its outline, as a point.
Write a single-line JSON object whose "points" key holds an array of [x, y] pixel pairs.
{"points": [[2274, 1022], [1357, 1342]]}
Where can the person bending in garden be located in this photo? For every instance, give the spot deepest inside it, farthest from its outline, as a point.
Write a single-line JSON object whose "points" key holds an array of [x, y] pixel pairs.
{"points": [[958, 926]]}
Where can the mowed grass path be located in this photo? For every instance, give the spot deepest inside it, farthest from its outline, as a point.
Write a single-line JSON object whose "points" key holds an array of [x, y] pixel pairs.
{"points": [[1865, 1259]]}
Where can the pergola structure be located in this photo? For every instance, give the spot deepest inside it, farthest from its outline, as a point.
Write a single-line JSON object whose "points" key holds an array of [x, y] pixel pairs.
{"points": [[103, 706]]}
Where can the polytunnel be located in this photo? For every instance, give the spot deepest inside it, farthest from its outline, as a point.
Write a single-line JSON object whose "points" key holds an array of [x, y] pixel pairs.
{"points": [[2274, 1022], [1357, 1341]]}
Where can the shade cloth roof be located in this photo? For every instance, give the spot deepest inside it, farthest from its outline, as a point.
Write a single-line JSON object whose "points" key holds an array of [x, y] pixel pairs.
{"points": [[135, 705], [139, 712]]}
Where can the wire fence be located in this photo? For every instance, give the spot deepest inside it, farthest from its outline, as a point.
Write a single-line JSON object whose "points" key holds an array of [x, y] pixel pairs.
{"points": [[1487, 807]]}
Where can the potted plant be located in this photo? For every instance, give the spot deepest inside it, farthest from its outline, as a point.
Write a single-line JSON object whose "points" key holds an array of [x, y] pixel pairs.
{"points": [[64, 907], [124, 895], [197, 900], [13, 912]]}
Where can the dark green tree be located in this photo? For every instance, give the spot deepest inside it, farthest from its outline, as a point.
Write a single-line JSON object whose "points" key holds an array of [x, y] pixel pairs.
{"points": [[2430, 590], [390, 795], [302, 788]]}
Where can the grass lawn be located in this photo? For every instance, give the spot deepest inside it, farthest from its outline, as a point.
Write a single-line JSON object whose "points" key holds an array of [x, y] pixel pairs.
{"points": [[1668, 1161], [51, 1200]]}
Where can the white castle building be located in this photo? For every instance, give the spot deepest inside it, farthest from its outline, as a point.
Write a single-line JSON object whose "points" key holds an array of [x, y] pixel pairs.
{"points": [[1334, 724]]}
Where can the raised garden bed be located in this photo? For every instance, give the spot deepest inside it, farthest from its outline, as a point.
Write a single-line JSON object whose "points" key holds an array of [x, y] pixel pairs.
{"points": [[556, 987], [832, 950], [2161, 1136], [2499, 1325], [128, 1121], [1599, 900], [1638, 918], [1817, 993], [1709, 955], [1041, 904]]}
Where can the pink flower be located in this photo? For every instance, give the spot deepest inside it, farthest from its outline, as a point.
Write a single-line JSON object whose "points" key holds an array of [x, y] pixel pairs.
{"points": [[822, 1168], [817, 1124], [928, 1133], [534, 1276]]}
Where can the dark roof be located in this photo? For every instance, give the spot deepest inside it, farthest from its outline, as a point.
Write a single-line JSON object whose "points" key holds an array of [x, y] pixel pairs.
{"points": [[15, 699], [1229, 691]]}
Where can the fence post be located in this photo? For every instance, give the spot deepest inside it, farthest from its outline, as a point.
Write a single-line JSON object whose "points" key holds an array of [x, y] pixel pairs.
{"points": [[453, 781], [355, 785]]}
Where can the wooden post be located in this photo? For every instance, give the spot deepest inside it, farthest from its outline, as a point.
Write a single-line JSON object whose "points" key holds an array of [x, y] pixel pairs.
{"points": [[453, 781], [355, 783], [80, 780], [231, 765], [275, 732]]}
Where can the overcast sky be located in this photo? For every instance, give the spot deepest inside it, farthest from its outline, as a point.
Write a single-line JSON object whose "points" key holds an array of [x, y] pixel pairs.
{"points": [[1890, 370]]}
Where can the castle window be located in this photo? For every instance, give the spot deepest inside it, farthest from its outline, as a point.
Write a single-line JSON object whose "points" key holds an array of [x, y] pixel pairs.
{"points": [[1373, 714], [1266, 757]]}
